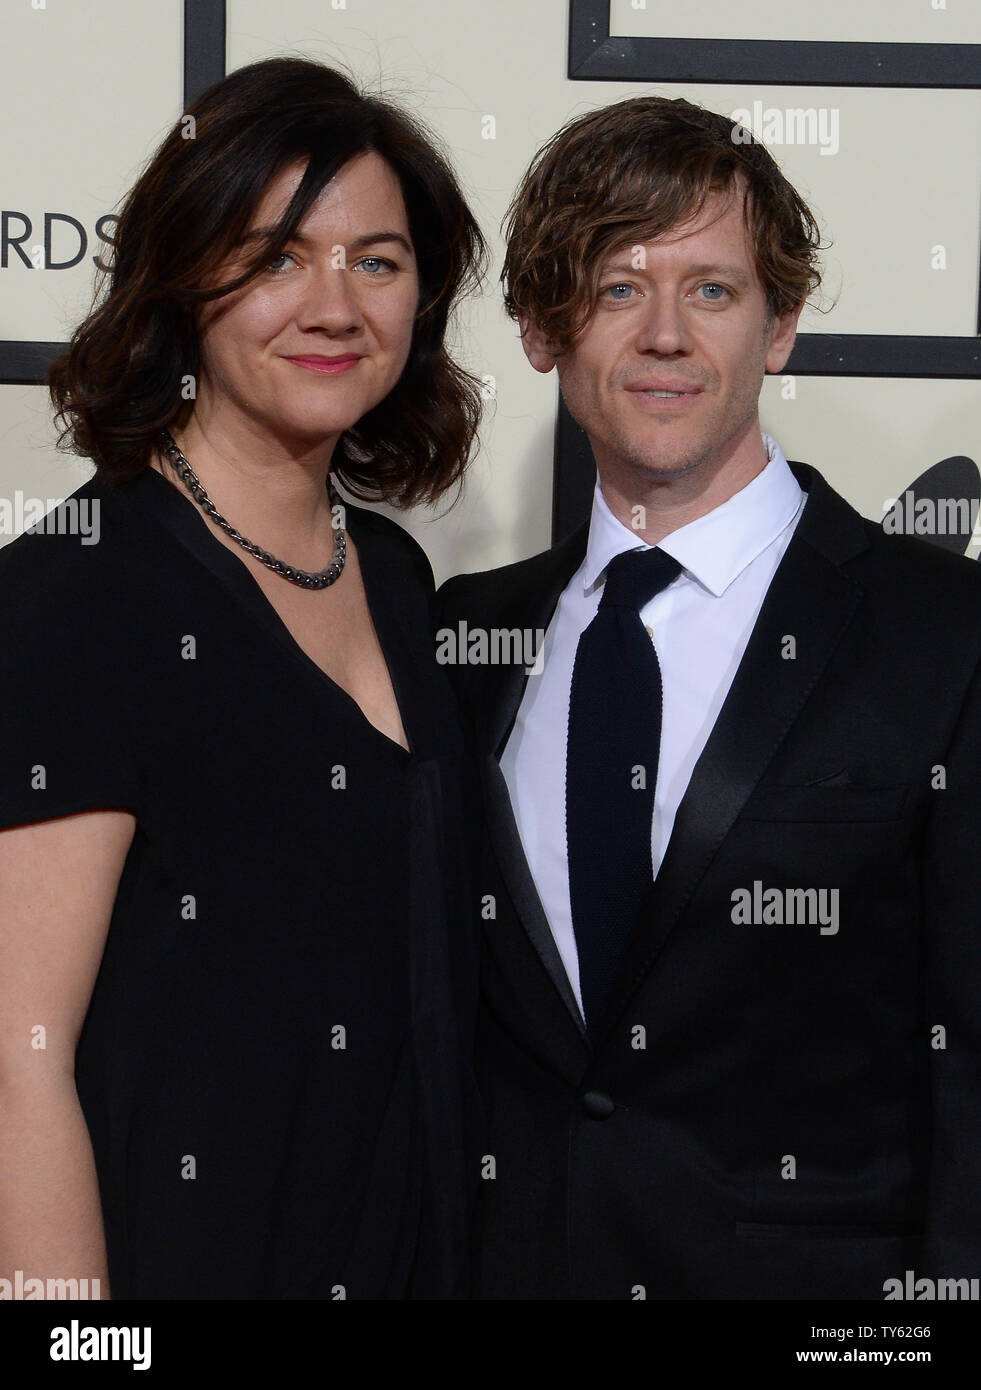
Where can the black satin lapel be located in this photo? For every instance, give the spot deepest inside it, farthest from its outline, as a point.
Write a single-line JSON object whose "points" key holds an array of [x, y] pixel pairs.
{"points": [[507, 695], [530, 607], [810, 599], [506, 844]]}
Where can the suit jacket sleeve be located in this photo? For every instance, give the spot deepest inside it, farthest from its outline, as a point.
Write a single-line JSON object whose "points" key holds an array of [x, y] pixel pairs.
{"points": [[952, 946]]}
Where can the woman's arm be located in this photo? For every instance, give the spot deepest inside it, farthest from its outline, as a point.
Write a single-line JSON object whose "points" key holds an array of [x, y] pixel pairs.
{"points": [[58, 882]]}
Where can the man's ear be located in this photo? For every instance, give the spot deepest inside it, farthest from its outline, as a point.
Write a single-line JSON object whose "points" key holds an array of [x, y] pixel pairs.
{"points": [[782, 337], [535, 344]]}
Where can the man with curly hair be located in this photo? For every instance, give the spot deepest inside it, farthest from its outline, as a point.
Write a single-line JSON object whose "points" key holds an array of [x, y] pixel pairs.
{"points": [[731, 952]]}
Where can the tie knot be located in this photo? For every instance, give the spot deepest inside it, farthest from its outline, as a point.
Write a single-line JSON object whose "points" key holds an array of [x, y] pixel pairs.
{"points": [[633, 578]]}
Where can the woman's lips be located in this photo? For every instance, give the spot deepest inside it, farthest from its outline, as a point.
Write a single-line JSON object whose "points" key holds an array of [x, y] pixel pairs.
{"points": [[330, 365]]}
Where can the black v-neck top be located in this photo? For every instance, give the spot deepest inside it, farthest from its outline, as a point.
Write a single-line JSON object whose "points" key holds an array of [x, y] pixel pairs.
{"points": [[274, 1064]]}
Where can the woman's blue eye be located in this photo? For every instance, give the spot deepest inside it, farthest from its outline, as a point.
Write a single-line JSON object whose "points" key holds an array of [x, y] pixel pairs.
{"points": [[619, 298], [378, 261], [375, 265]]}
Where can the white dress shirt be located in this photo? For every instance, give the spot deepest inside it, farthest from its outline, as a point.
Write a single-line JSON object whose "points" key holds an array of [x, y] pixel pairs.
{"points": [[700, 625]]}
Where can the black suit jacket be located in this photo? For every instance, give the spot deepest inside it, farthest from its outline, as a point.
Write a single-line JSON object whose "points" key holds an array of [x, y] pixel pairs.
{"points": [[766, 1110]]}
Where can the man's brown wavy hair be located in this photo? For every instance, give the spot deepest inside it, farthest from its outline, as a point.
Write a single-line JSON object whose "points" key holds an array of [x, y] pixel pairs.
{"points": [[120, 382], [629, 173]]}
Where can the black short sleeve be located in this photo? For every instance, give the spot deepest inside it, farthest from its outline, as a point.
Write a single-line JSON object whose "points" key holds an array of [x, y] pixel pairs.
{"points": [[64, 745]]}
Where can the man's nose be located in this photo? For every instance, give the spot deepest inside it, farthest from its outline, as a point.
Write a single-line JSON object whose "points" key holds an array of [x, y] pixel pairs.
{"points": [[664, 326]]}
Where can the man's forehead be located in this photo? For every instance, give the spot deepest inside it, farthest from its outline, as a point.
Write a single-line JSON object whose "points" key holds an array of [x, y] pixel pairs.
{"points": [[719, 211]]}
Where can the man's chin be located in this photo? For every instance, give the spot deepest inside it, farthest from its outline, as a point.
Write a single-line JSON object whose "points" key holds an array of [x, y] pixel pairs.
{"points": [[663, 467]]}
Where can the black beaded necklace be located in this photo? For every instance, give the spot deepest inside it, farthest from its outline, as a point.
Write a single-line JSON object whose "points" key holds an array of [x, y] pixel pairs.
{"points": [[303, 578]]}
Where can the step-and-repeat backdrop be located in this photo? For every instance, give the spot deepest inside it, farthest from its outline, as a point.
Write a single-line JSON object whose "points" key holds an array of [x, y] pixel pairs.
{"points": [[873, 111]]}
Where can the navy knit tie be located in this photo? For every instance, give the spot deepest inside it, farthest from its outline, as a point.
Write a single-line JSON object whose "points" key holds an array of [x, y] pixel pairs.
{"points": [[611, 770]]}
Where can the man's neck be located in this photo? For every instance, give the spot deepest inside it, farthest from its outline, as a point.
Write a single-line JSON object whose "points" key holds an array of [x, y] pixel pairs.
{"points": [[653, 507]]}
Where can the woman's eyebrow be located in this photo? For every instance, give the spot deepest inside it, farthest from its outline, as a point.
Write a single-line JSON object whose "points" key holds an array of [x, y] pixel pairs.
{"points": [[373, 238], [258, 234]]}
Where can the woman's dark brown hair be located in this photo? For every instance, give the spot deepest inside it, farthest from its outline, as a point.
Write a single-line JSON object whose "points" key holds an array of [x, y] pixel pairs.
{"points": [[629, 173], [120, 382]]}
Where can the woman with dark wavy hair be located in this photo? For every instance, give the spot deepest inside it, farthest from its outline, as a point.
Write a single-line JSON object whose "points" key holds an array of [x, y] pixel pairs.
{"points": [[235, 961]]}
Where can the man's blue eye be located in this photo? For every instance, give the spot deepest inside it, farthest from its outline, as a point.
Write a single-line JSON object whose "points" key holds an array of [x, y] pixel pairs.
{"points": [[721, 290], [620, 298]]}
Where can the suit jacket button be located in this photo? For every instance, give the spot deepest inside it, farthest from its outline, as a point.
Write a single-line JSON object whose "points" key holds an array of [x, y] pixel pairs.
{"points": [[598, 1105]]}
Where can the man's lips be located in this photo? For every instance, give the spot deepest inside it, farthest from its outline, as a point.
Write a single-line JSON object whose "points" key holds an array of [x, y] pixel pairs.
{"points": [[314, 362], [686, 388], [664, 395]]}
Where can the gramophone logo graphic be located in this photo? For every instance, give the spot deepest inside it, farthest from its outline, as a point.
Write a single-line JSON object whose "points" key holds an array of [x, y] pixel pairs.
{"points": [[941, 506]]}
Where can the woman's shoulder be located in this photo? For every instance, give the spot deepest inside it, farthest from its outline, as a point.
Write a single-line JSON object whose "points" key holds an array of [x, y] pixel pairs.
{"points": [[67, 559], [390, 544], [66, 687]]}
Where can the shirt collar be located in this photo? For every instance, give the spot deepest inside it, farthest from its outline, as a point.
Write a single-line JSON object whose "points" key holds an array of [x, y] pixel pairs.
{"points": [[716, 547]]}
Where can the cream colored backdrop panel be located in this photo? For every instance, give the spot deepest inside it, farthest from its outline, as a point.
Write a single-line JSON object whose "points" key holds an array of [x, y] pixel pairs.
{"points": [[846, 21], [88, 89]]}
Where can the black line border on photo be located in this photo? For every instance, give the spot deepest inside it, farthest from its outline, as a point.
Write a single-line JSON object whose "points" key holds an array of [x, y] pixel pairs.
{"points": [[25, 363], [597, 56]]}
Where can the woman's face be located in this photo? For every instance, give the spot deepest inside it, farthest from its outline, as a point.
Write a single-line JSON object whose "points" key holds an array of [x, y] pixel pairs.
{"points": [[321, 335]]}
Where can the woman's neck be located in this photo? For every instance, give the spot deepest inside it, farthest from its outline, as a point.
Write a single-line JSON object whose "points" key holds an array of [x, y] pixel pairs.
{"points": [[273, 494]]}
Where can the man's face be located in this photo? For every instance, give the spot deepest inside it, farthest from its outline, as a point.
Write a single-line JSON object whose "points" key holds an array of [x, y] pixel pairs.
{"points": [[314, 341], [684, 315]]}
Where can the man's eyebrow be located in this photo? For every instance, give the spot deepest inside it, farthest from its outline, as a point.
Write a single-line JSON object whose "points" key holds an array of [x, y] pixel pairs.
{"points": [[725, 272], [259, 234], [622, 261]]}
